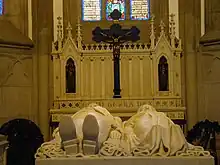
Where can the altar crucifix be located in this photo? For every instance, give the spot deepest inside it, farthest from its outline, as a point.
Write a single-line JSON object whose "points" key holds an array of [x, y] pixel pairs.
{"points": [[116, 36]]}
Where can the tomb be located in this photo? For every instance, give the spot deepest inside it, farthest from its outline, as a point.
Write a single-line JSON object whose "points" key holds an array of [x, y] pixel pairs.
{"points": [[94, 136]]}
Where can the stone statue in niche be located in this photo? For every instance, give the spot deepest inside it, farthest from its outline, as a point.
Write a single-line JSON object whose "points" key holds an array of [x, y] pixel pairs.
{"points": [[163, 75], [94, 131], [70, 76]]}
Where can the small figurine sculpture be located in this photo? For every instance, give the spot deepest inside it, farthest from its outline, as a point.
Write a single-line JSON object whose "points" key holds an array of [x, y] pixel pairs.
{"points": [[94, 131]]}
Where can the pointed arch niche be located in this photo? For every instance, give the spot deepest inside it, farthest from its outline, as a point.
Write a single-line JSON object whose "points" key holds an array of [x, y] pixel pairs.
{"points": [[70, 76], [163, 74]]}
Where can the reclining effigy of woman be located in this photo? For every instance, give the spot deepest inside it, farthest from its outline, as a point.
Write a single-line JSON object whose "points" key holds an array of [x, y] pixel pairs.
{"points": [[93, 131]]}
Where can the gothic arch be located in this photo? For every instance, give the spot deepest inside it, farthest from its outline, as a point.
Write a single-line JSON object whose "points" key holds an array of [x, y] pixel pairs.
{"points": [[70, 70], [163, 74]]}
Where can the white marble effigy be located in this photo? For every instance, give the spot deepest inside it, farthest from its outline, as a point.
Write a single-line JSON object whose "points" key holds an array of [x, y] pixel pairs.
{"points": [[96, 137]]}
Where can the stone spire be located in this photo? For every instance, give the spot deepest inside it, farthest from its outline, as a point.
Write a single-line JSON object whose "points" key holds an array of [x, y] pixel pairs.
{"points": [[69, 30], [152, 33], [172, 30], [59, 33], [162, 28], [79, 34]]}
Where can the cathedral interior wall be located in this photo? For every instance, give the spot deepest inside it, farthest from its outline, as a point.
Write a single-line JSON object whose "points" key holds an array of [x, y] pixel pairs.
{"points": [[22, 88]]}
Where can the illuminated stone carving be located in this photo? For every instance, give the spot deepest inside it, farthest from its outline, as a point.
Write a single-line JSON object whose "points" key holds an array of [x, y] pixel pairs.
{"points": [[94, 131]]}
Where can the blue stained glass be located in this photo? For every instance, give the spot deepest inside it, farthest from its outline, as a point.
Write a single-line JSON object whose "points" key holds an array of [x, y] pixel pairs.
{"points": [[1, 7], [115, 4], [139, 9], [91, 10]]}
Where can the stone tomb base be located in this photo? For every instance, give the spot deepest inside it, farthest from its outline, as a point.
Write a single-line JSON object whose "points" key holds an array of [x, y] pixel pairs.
{"points": [[128, 161]]}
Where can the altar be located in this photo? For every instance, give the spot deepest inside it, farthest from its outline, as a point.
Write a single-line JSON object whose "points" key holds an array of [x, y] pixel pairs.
{"points": [[150, 73]]}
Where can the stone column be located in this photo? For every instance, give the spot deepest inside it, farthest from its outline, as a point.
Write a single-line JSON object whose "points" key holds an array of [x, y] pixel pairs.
{"points": [[42, 37], [190, 33], [141, 69], [208, 63], [43, 80], [130, 76], [92, 76], [103, 77]]}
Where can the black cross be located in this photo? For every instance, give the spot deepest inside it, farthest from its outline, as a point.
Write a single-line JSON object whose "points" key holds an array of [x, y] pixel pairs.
{"points": [[116, 36]]}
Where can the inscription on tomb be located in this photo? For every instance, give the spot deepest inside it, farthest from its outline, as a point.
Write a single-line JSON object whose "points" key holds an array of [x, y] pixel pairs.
{"points": [[115, 104], [124, 107], [171, 115]]}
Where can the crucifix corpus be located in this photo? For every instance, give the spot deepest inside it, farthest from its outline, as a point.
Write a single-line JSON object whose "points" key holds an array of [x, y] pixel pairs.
{"points": [[116, 36]]}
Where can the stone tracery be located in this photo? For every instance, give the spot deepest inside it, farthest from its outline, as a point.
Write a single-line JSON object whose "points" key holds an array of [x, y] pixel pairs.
{"points": [[139, 74]]}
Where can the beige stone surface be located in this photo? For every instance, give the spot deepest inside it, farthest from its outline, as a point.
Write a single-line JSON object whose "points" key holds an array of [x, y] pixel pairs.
{"points": [[128, 161], [16, 11], [16, 84], [11, 35]]}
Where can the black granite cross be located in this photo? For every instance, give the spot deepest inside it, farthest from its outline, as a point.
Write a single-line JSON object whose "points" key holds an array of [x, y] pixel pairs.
{"points": [[116, 36]]}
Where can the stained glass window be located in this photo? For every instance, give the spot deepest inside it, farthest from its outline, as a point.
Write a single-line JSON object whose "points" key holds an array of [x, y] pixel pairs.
{"points": [[115, 4], [139, 9], [91, 10], [1, 7]]}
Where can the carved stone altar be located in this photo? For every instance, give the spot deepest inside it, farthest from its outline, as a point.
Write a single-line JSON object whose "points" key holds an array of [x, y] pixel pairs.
{"points": [[150, 74]]}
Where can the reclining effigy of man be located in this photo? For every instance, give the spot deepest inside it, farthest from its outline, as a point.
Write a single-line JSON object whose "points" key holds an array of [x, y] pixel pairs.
{"points": [[93, 131]]}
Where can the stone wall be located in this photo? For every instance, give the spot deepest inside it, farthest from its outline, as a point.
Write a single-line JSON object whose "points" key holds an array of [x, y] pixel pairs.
{"points": [[208, 65], [30, 87], [209, 77], [15, 74], [16, 11], [16, 85]]}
